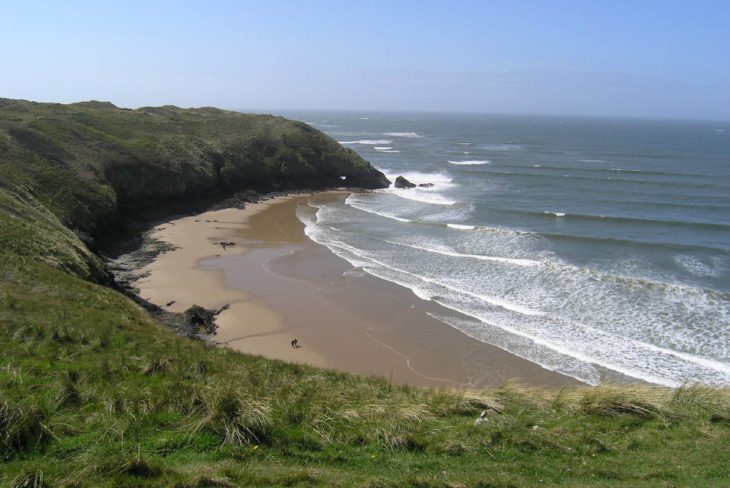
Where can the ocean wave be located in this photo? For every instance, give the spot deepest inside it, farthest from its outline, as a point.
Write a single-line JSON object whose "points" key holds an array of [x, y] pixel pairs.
{"points": [[697, 267], [563, 168], [492, 300], [368, 142], [408, 135], [521, 346], [362, 208], [424, 196], [501, 147], [682, 186], [474, 162], [465, 143], [445, 251], [461, 226], [383, 148], [589, 346], [610, 340], [440, 180], [623, 219], [592, 161]]}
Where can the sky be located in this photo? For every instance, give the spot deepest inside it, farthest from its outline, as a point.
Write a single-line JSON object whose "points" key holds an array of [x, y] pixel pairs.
{"points": [[640, 58]]}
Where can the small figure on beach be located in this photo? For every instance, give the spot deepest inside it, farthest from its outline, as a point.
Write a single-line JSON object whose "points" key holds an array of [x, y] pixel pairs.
{"points": [[295, 344], [226, 244]]}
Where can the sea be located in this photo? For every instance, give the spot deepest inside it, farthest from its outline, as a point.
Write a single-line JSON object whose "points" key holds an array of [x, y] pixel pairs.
{"points": [[588, 246]]}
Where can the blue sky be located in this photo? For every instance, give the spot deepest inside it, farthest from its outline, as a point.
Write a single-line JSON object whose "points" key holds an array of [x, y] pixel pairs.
{"points": [[618, 58]]}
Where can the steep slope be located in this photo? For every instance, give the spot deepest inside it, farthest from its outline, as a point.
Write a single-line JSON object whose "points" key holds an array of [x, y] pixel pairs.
{"points": [[91, 163]]}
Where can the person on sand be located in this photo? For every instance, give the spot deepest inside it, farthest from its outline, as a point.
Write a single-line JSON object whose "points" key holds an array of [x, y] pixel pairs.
{"points": [[295, 344]]}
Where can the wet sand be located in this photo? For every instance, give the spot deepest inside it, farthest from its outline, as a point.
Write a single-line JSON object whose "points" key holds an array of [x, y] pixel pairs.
{"points": [[281, 286]]}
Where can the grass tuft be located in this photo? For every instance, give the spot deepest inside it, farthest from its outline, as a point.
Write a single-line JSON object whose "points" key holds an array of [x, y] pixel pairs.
{"points": [[29, 480], [236, 417], [21, 429]]}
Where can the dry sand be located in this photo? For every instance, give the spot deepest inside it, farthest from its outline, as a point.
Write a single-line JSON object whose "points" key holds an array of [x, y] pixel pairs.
{"points": [[280, 285], [176, 276]]}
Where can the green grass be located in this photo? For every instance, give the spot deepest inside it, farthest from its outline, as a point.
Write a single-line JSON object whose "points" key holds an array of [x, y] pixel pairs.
{"points": [[94, 392]]}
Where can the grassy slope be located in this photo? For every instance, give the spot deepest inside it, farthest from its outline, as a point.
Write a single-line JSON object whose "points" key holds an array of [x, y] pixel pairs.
{"points": [[89, 163], [95, 393]]}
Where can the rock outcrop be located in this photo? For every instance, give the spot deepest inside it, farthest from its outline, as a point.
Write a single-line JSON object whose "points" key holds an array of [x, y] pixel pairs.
{"points": [[401, 182]]}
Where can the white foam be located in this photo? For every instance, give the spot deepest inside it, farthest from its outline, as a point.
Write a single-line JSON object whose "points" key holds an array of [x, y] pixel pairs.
{"points": [[368, 142], [557, 214], [465, 143], [592, 161], [496, 301], [450, 252], [523, 347], [461, 226], [409, 135], [697, 267], [349, 201], [422, 195], [421, 293], [502, 147], [568, 318], [440, 180], [474, 162], [382, 148]]}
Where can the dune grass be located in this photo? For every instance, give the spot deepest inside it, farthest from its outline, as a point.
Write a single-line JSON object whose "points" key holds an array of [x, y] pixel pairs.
{"points": [[94, 393]]}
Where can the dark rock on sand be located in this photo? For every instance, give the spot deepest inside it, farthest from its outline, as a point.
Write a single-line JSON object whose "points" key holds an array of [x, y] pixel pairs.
{"points": [[198, 318]]}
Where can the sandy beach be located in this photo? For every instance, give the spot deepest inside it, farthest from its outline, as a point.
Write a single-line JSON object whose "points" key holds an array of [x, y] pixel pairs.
{"points": [[280, 285]]}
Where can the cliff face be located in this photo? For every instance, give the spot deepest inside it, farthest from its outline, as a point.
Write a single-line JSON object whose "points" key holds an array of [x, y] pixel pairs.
{"points": [[89, 163]]}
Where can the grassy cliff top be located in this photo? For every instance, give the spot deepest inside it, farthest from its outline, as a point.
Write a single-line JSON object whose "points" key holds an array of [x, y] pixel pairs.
{"points": [[94, 392], [89, 164]]}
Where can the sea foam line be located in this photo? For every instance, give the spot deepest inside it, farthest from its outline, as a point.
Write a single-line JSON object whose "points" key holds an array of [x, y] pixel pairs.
{"points": [[481, 257], [368, 142], [409, 135], [499, 302], [461, 226], [473, 162], [567, 364], [418, 195], [639, 348], [381, 214], [590, 354]]}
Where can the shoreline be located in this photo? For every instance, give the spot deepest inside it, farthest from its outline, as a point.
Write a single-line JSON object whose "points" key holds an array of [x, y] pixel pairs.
{"points": [[281, 285]]}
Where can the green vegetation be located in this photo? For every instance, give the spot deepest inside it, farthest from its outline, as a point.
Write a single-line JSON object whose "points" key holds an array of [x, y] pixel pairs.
{"points": [[84, 166], [94, 392]]}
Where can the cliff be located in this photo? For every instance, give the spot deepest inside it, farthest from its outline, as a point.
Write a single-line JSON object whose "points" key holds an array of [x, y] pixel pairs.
{"points": [[70, 172]]}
